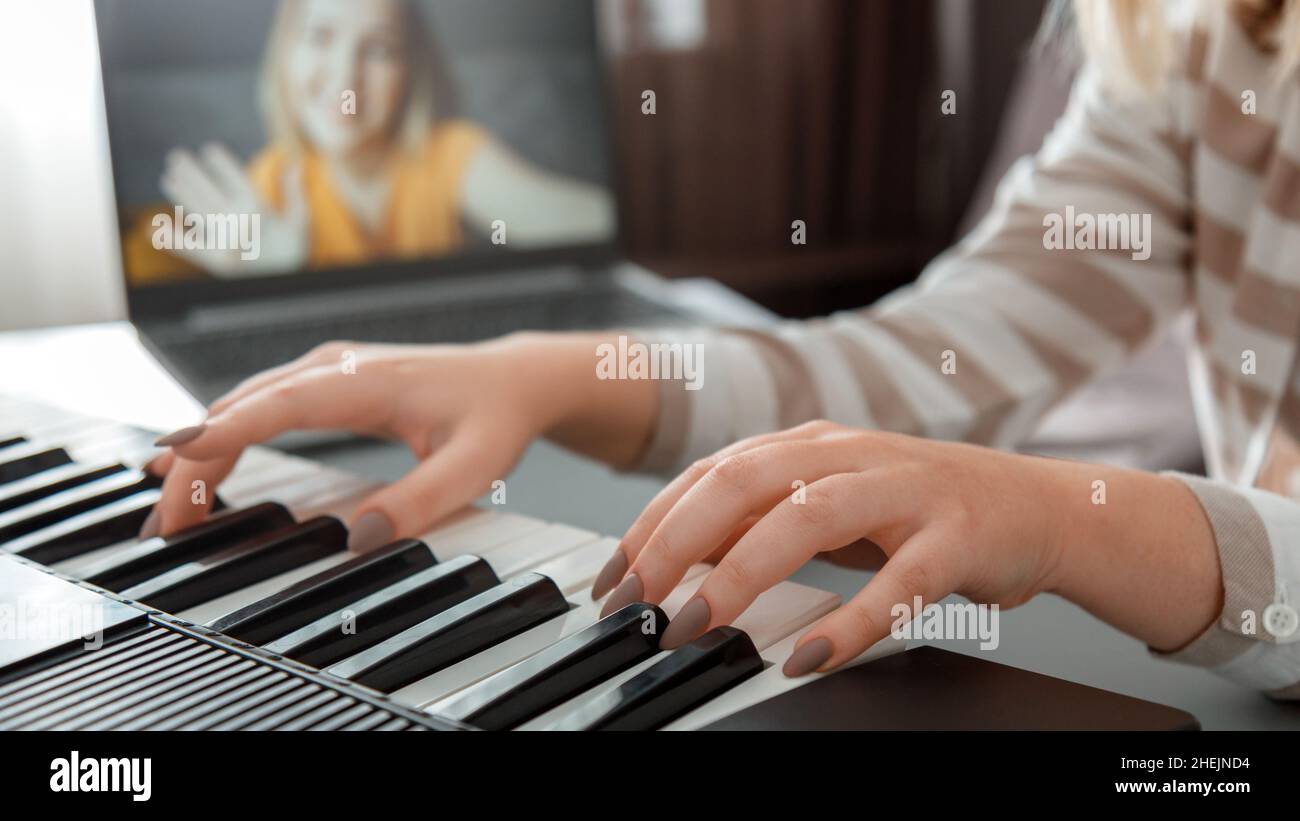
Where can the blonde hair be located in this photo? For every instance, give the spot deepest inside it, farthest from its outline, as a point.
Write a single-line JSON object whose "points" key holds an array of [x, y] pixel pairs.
{"points": [[429, 96], [1129, 39]]}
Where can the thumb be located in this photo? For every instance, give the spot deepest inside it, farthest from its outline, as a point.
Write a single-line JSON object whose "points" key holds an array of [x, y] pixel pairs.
{"points": [[455, 475]]}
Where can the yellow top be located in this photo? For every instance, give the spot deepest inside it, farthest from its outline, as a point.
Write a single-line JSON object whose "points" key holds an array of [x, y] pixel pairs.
{"points": [[421, 219]]}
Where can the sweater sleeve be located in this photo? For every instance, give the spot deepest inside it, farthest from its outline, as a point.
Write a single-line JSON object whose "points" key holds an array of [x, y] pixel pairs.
{"points": [[1082, 260]]}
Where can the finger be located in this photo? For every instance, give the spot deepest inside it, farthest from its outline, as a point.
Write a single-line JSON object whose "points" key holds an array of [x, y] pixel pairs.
{"points": [[733, 537], [187, 494], [255, 383], [324, 354], [919, 568], [316, 398], [740, 485], [159, 465], [835, 512], [453, 476], [637, 535], [226, 172], [192, 201]]}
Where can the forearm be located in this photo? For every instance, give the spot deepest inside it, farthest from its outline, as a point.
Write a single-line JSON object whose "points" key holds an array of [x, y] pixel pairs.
{"points": [[1144, 561]]}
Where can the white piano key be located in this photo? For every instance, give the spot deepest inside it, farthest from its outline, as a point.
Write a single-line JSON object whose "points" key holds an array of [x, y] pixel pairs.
{"points": [[779, 612], [116, 443], [33, 421], [574, 571], [53, 432], [204, 613], [445, 682], [236, 499], [479, 534], [247, 486], [771, 682], [73, 565], [220, 606], [255, 592], [482, 529], [784, 610], [525, 553]]}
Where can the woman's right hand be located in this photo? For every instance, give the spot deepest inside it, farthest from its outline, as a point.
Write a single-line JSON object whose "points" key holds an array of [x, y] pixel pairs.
{"points": [[466, 412]]}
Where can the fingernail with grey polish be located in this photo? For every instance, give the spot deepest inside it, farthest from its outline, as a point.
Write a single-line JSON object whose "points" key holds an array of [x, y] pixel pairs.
{"points": [[182, 436], [631, 590], [152, 524], [689, 623], [609, 575], [808, 658], [370, 531]]}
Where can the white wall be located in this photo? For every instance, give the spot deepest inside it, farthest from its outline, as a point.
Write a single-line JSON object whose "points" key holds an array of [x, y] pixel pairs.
{"points": [[58, 255]]}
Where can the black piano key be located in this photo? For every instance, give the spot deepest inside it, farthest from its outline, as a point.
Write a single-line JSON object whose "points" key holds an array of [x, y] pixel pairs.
{"points": [[455, 634], [567, 668], [10, 442], [324, 593], [385, 613], [691, 675], [49, 482], [30, 460], [239, 566], [142, 561], [103, 526], [68, 503]]}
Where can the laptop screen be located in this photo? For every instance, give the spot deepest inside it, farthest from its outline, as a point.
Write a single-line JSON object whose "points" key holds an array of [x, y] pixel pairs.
{"points": [[256, 139]]}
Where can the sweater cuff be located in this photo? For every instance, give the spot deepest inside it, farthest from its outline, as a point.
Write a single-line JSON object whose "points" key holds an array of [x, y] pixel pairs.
{"points": [[668, 444], [1249, 581]]}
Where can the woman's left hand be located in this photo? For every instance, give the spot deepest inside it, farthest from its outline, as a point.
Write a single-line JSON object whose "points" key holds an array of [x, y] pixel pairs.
{"points": [[951, 518]]}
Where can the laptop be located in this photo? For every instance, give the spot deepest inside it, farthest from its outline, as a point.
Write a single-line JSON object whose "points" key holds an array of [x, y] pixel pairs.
{"points": [[292, 172]]}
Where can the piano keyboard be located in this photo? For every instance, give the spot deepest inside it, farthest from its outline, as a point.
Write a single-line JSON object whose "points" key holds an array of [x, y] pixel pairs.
{"points": [[259, 618]]}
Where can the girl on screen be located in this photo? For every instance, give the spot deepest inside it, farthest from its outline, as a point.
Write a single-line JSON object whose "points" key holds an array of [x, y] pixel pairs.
{"points": [[367, 158]]}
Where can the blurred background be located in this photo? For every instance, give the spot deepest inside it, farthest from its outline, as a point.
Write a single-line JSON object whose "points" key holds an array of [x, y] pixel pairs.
{"points": [[829, 115]]}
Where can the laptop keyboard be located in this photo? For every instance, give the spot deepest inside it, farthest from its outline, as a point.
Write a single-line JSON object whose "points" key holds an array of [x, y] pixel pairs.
{"points": [[221, 360]]}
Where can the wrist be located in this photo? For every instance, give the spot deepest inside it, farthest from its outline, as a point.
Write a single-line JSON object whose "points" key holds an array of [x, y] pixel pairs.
{"points": [[1135, 549], [610, 420]]}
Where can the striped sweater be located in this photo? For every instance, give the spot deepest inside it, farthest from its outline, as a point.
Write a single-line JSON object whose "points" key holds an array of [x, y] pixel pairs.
{"points": [[1213, 162]]}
